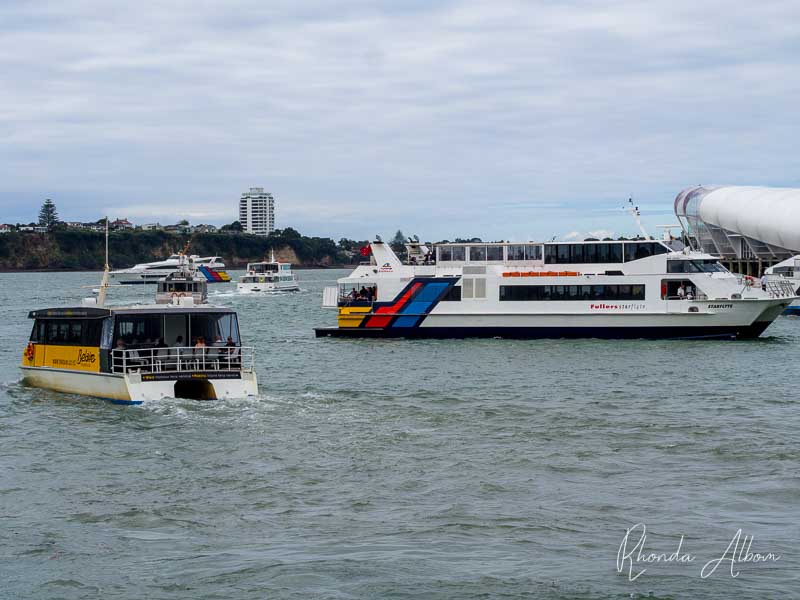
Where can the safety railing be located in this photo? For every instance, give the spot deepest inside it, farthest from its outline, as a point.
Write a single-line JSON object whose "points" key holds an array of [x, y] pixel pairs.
{"points": [[780, 289], [776, 288], [176, 359]]}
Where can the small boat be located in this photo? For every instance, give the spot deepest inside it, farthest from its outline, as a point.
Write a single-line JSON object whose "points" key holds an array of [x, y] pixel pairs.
{"points": [[210, 267], [184, 283], [268, 276], [139, 353], [789, 271]]}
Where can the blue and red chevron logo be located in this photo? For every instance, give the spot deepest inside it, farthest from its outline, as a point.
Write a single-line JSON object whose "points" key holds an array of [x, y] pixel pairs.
{"points": [[411, 305]]}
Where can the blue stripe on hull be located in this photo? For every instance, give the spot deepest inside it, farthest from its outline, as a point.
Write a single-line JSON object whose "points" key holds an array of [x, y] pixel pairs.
{"points": [[726, 332], [793, 311]]}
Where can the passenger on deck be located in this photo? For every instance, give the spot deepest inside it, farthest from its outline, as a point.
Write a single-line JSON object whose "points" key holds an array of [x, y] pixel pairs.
{"points": [[179, 340], [362, 293], [353, 294], [160, 343], [764, 282], [682, 292]]}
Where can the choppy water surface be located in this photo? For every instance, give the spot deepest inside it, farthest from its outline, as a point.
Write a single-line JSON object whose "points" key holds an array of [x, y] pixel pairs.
{"points": [[403, 469]]}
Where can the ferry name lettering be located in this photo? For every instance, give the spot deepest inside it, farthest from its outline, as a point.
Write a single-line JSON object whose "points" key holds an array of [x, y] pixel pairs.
{"points": [[84, 356], [632, 554]]}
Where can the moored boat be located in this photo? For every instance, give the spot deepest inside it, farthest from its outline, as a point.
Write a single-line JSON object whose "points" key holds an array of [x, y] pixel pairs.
{"points": [[606, 289]]}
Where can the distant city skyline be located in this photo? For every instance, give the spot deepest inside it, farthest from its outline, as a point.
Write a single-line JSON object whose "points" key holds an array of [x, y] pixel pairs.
{"points": [[504, 120]]}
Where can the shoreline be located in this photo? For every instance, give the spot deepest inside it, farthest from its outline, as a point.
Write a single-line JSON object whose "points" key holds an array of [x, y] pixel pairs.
{"points": [[294, 268]]}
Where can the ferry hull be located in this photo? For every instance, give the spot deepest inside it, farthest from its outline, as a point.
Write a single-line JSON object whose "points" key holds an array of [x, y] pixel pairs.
{"points": [[132, 388], [267, 287], [728, 332]]}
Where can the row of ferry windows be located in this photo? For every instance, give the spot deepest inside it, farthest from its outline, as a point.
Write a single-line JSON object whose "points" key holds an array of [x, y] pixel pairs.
{"points": [[68, 332], [555, 253], [528, 293]]}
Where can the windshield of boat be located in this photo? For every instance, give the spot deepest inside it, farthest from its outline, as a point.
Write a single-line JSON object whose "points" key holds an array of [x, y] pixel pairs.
{"points": [[706, 265]]}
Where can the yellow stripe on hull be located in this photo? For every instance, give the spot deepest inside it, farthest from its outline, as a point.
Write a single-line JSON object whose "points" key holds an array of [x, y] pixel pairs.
{"points": [[352, 316]]}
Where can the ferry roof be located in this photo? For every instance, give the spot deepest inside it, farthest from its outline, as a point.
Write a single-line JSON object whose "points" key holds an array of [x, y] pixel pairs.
{"points": [[85, 312], [531, 242]]}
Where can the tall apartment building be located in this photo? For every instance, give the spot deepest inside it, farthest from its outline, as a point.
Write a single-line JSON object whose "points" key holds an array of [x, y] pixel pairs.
{"points": [[257, 211]]}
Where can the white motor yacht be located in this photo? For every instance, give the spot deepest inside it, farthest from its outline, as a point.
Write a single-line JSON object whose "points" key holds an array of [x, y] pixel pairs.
{"points": [[268, 276], [210, 267]]}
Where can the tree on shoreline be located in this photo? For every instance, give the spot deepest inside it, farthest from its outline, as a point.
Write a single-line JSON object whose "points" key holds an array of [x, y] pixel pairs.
{"points": [[48, 216]]}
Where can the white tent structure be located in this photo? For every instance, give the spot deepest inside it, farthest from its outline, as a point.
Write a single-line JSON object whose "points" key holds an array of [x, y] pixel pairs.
{"points": [[741, 223]]}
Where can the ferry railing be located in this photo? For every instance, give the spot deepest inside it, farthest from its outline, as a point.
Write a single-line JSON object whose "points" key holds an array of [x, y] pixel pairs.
{"points": [[180, 358], [776, 288]]}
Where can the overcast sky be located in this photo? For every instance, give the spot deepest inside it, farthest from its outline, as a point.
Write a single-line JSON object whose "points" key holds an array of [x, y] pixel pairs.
{"points": [[498, 119]]}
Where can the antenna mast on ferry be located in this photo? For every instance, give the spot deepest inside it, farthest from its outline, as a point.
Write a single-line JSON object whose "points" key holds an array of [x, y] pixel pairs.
{"points": [[101, 296], [634, 212]]}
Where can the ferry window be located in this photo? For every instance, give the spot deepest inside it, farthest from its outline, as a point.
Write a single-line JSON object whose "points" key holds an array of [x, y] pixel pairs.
{"points": [[550, 254], [494, 253], [571, 292], [137, 329], [637, 250], [453, 294], [467, 288], [610, 253], [563, 253], [576, 253], [516, 253], [480, 288], [209, 326], [445, 253], [477, 253], [459, 252], [591, 253]]}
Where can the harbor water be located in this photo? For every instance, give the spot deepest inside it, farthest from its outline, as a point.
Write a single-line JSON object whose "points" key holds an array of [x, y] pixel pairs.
{"points": [[405, 469]]}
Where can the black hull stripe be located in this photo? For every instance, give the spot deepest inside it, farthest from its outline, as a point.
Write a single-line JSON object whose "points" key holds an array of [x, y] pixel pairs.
{"points": [[718, 332]]}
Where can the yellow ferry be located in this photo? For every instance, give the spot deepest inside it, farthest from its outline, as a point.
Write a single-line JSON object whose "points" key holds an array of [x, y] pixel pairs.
{"points": [[138, 353]]}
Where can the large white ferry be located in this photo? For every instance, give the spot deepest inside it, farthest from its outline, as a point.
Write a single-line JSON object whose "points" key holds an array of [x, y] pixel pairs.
{"points": [[210, 267], [605, 289], [268, 276], [789, 271]]}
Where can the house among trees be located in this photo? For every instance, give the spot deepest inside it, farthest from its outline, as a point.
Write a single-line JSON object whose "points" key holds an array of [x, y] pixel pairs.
{"points": [[5, 228], [120, 224]]}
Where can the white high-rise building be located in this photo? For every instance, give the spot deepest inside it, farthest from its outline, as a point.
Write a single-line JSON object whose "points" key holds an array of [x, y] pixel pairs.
{"points": [[257, 211]]}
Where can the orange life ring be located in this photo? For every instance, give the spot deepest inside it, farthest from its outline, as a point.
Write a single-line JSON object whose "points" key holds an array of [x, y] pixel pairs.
{"points": [[749, 280], [29, 351]]}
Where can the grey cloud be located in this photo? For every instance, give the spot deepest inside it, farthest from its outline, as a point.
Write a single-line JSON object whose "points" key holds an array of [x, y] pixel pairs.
{"points": [[363, 117]]}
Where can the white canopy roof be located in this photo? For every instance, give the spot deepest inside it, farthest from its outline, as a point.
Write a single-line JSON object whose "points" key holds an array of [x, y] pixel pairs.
{"points": [[771, 215]]}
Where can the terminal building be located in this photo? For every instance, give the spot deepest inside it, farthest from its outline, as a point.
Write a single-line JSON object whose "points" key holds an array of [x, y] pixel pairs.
{"points": [[257, 211], [749, 228]]}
